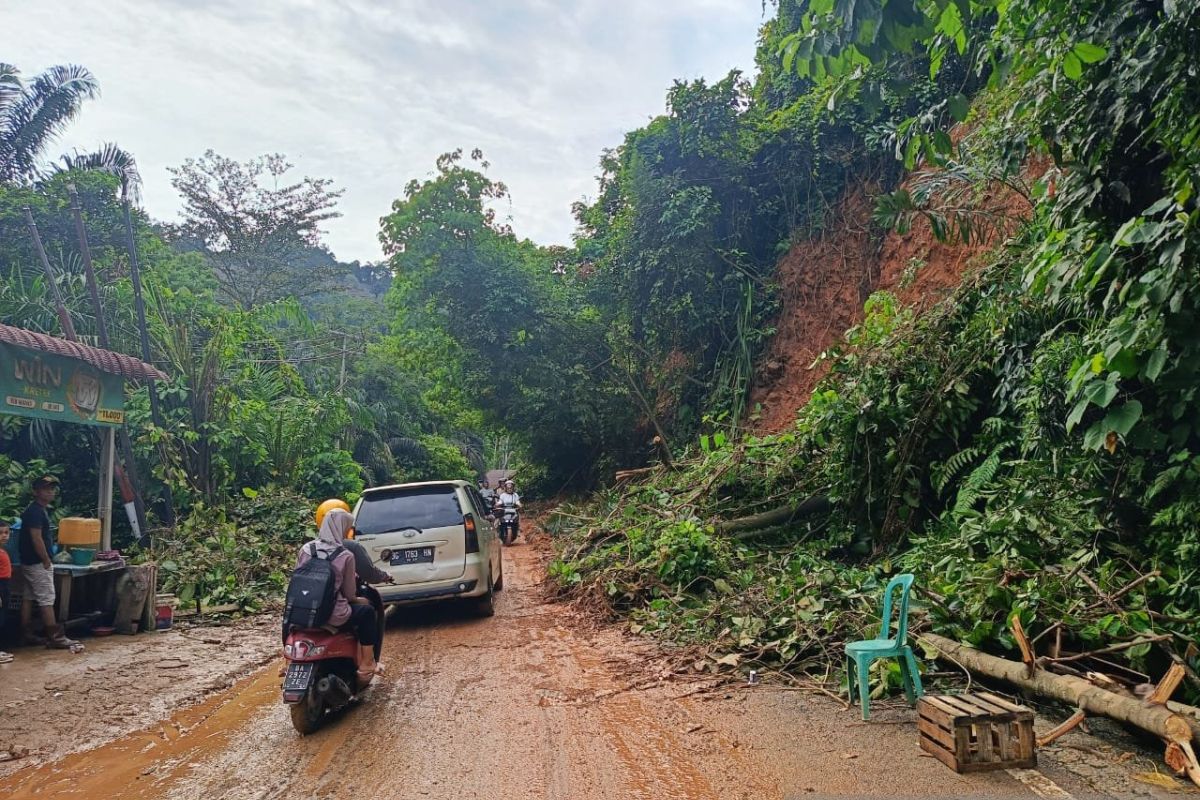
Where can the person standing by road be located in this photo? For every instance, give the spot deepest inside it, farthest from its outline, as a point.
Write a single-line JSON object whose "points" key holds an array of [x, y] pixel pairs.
{"points": [[5, 581], [37, 570]]}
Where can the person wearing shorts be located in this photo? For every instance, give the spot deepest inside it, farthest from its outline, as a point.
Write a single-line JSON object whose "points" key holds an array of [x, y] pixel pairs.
{"points": [[5, 581], [37, 570]]}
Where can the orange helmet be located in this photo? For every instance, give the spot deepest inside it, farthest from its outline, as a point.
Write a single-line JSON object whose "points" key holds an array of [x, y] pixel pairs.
{"points": [[328, 506]]}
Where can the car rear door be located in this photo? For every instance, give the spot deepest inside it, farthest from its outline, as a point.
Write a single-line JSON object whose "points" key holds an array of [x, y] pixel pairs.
{"points": [[417, 531]]}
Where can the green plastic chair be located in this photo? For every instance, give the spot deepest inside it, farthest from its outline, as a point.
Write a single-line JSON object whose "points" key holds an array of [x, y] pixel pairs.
{"points": [[859, 655]]}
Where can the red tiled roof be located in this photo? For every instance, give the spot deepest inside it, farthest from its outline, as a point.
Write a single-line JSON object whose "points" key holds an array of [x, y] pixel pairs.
{"points": [[103, 360]]}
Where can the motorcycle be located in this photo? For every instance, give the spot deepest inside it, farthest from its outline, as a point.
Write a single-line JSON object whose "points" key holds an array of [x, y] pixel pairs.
{"points": [[509, 523], [322, 671]]}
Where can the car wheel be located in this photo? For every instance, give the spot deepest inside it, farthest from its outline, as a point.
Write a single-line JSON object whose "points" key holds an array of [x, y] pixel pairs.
{"points": [[485, 606], [499, 584]]}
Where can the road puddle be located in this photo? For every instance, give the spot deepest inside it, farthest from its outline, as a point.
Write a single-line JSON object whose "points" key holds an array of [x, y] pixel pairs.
{"points": [[144, 764]]}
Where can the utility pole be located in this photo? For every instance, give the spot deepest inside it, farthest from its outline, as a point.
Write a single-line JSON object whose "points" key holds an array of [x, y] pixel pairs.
{"points": [[136, 277], [130, 470], [64, 318], [342, 374]]}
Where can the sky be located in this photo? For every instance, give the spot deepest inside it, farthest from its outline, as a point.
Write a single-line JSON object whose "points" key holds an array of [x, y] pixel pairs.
{"points": [[370, 93]]}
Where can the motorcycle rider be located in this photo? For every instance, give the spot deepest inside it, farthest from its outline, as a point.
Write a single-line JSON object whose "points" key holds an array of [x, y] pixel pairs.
{"points": [[488, 494], [350, 611], [508, 498], [364, 567]]}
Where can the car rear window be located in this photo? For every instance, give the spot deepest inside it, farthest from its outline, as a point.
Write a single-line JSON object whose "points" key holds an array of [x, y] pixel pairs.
{"points": [[423, 507]]}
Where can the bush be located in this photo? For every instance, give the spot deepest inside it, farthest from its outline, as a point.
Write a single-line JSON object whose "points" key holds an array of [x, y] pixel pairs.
{"points": [[331, 474]]}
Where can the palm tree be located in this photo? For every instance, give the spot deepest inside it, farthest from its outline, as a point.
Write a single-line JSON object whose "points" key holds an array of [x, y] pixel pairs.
{"points": [[33, 114], [110, 159]]}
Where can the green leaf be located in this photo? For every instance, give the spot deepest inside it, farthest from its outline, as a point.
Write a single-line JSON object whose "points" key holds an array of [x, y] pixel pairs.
{"points": [[1077, 413], [1139, 650], [960, 106], [249, 493], [1155, 364], [1089, 53], [1072, 66], [1123, 418]]}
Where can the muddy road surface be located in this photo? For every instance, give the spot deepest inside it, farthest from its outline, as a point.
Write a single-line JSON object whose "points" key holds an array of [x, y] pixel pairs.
{"points": [[531, 703]]}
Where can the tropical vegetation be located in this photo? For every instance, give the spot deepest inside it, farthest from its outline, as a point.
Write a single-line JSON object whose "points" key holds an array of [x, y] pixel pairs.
{"points": [[1028, 447]]}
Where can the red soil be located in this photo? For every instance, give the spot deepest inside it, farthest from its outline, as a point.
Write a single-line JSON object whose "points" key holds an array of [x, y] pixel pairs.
{"points": [[824, 282]]}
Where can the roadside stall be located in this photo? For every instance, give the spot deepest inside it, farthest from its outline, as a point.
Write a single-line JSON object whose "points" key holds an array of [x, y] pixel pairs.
{"points": [[53, 379]]}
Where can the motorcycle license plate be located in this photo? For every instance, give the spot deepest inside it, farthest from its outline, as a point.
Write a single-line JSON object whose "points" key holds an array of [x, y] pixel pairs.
{"points": [[298, 676], [412, 555]]}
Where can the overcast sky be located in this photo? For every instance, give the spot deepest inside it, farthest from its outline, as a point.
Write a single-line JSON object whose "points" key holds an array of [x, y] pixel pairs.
{"points": [[369, 92]]}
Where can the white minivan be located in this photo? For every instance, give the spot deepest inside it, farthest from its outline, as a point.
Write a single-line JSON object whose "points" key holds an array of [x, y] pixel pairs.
{"points": [[434, 539]]}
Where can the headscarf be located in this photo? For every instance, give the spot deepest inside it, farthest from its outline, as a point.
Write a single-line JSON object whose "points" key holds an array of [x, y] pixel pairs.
{"points": [[333, 530]]}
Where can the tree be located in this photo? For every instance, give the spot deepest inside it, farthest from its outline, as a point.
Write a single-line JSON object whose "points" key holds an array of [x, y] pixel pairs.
{"points": [[32, 115], [255, 229]]}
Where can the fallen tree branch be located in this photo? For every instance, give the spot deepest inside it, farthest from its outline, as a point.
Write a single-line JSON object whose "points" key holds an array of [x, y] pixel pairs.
{"points": [[1129, 588], [1071, 723], [627, 474], [1110, 649], [776, 516]]}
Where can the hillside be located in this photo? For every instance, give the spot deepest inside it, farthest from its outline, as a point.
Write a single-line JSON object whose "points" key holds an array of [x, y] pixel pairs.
{"points": [[825, 280]]}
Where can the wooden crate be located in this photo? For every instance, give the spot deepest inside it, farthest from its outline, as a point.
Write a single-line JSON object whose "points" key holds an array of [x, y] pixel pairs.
{"points": [[976, 732]]}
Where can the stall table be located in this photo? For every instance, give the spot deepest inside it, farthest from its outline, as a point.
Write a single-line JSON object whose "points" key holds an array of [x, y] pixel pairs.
{"points": [[65, 576]]}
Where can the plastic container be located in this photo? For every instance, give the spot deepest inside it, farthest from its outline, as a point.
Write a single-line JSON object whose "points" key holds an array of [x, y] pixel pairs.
{"points": [[82, 556], [164, 615], [79, 532]]}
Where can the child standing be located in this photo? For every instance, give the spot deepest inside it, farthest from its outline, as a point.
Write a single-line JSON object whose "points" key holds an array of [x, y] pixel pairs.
{"points": [[5, 579]]}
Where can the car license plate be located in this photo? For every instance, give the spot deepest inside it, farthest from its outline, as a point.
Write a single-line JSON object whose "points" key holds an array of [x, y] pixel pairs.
{"points": [[412, 555], [299, 675]]}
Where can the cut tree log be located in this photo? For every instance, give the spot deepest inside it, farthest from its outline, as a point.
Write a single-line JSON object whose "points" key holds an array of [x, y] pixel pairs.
{"points": [[776, 516], [1069, 689]]}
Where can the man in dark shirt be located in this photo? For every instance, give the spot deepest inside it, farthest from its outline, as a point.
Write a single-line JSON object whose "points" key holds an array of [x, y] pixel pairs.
{"points": [[37, 570]]}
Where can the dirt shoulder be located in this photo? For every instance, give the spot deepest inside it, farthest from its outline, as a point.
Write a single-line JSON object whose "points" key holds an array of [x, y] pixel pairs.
{"points": [[55, 703]]}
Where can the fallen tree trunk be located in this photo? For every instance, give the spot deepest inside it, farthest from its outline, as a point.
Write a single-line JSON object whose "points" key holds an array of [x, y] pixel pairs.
{"points": [[776, 516], [1073, 691]]}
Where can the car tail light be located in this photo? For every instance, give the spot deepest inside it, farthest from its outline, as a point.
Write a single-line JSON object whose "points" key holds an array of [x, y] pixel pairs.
{"points": [[472, 534]]}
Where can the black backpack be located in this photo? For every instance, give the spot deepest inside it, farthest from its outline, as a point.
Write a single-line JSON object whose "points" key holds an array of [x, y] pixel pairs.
{"points": [[311, 593]]}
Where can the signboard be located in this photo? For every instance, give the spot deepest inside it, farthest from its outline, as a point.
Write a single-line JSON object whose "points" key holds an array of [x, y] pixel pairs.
{"points": [[48, 386]]}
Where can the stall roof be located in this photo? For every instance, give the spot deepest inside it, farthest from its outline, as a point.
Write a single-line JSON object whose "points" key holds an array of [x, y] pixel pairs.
{"points": [[103, 360]]}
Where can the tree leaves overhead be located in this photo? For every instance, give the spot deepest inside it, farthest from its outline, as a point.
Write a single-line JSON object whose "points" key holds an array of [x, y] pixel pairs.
{"points": [[33, 115], [255, 227]]}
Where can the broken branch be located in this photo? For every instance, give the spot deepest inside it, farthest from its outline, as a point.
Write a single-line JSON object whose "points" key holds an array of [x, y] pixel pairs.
{"points": [[1068, 725]]}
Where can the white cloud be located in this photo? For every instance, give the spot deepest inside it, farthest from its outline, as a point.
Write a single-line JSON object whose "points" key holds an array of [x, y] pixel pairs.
{"points": [[369, 92]]}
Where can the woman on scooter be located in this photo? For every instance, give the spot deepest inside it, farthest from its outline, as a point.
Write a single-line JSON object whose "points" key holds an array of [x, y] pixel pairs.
{"points": [[350, 612]]}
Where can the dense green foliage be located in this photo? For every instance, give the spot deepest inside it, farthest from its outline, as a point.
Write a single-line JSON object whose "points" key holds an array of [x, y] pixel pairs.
{"points": [[1030, 446]]}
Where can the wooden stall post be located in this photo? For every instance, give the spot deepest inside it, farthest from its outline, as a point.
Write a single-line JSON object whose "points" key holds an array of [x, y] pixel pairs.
{"points": [[107, 454]]}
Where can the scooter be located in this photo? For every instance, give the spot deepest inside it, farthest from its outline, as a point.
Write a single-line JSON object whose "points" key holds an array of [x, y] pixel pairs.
{"points": [[323, 670], [509, 521]]}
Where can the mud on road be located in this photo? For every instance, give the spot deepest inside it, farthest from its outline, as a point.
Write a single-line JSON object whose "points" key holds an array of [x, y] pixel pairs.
{"points": [[532, 703]]}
